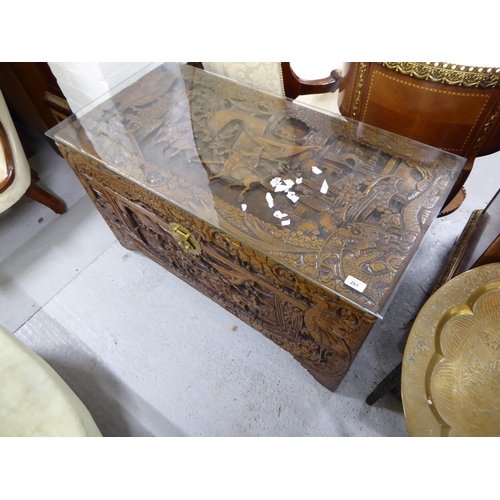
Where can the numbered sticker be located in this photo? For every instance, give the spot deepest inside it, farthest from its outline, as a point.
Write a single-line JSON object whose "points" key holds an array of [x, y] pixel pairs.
{"points": [[355, 283]]}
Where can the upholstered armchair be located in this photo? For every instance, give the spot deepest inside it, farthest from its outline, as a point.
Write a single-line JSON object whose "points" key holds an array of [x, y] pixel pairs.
{"points": [[34, 399], [449, 106], [278, 78], [16, 177]]}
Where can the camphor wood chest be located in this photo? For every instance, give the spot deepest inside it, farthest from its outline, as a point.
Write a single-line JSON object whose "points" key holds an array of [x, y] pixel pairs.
{"points": [[267, 207]]}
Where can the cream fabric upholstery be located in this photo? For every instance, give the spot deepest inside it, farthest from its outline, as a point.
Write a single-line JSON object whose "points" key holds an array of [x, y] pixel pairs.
{"points": [[22, 179], [268, 77], [34, 399], [265, 76]]}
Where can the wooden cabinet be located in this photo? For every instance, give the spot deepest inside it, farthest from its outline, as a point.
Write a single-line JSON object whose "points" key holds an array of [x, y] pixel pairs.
{"points": [[33, 95]]}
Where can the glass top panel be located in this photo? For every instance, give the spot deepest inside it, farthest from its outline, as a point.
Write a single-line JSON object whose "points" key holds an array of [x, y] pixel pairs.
{"points": [[328, 197]]}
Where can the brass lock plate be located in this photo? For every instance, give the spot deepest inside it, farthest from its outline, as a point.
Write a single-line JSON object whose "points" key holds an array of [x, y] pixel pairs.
{"points": [[184, 239]]}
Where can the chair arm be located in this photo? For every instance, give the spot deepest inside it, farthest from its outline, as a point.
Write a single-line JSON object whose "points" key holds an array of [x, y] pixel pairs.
{"points": [[295, 86], [9, 160]]}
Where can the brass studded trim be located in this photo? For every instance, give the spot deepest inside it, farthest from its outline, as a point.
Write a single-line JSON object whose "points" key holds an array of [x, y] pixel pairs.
{"points": [[62, 103], [359, 88], [487, 127], [59, 117], [450, 74]]}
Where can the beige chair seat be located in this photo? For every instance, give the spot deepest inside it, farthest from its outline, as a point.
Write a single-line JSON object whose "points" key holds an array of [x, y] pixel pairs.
{"points": [[34, 399], [22, 179], [15, 173]]}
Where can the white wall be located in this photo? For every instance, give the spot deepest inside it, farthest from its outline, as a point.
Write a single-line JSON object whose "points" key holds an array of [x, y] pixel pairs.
{"points": [[81, 83], [311, 70]]}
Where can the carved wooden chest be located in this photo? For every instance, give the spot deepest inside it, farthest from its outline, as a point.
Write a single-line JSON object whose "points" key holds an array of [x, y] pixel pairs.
{"points": [[299, 223]]}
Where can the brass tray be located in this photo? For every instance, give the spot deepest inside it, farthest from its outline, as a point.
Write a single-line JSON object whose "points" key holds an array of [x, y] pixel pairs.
{"points": [[451, 365]]}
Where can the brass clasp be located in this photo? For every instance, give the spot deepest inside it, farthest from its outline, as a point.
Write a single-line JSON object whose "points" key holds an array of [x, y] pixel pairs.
{"points": [[184, 239]]}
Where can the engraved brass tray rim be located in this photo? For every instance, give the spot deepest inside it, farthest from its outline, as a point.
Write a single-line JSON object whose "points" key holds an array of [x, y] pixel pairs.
{"points": [[422, 355]]}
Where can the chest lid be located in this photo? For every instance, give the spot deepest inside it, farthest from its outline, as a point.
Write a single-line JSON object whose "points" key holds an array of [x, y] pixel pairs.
{"points": [[339, 202]]}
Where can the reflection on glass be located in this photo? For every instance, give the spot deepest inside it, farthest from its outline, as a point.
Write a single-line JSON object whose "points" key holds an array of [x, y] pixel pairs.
{"points": [[329, 198]]}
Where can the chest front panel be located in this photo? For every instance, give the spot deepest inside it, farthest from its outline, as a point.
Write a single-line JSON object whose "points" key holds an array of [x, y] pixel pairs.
{"points": [[319, 329]]}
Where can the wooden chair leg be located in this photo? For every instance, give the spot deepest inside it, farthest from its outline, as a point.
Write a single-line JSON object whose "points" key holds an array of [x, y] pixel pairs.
{"points": [[41, 196]]}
